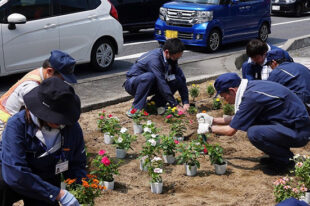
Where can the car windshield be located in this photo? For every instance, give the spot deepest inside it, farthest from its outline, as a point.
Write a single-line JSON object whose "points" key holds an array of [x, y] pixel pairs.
{"points": [[216, 2]]}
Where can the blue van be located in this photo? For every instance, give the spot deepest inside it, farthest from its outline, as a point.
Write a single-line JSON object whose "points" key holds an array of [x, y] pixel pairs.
{"points": [[211, 23]]}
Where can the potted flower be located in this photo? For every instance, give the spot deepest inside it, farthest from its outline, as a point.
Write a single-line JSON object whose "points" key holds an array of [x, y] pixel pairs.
{"points": [[172, 114], [149, 150], [189, 156], [302, 171], [123, 142], [228, 110], [155, 170], [150, 131], [216, 103], [168, 146], [109, 126], [210, 90], [215, 153], [138, 116], [194, 92], [86, 192], [104, 169], [288, 187], [177, 130]]}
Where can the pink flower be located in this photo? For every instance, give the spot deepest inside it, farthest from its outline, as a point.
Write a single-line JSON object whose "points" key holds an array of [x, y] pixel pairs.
{"points": [[299, 164], [101, 117], [303, 189], [295, 190], [191, 121], [103, 111], [169, 116], [180, 113], [110, 115], [101, 152], [105, 161], [176, 141]]}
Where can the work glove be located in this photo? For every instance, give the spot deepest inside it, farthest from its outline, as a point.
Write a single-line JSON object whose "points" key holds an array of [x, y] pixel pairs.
{"points": [[204, 123], [68, 200], [204, 118]]}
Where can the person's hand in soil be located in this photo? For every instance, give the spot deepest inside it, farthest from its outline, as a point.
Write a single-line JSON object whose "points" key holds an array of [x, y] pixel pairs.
{"points": [[186, 107]]}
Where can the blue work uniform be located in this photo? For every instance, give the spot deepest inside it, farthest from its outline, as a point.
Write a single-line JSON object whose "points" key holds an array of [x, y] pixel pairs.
{"points": [[275, 119], [31, 176], [150, 75], [294, 76], [253, 71], [292, 202]]}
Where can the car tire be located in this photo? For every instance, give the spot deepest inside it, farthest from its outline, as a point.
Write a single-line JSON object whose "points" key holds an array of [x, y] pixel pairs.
{"points": [[102, 55], [214, 41], [263, 32], [298, 10]]}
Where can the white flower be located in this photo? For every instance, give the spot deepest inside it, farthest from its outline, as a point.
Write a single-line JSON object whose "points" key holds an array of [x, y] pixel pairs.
{"points": [[146, 129], [120, 140], [155, 159], [153, 135], [123, 130], [197, 143], [158, 170], [153, 142], [149, 122], [296, 156], [144, 157]]}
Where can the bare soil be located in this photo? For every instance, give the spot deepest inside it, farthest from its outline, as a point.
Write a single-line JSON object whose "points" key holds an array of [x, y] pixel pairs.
{"points": [[245, 182]]}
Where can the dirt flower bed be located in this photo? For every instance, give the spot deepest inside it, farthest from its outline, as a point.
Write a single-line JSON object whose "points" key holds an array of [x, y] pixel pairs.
{"points": [[245, 182]]}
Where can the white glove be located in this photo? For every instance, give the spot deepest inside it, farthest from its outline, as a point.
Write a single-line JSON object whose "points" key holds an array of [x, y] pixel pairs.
{"points": [[204, 118], [68, 199], [203, 128]]}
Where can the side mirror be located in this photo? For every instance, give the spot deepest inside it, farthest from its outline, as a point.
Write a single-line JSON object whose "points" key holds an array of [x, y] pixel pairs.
{"points": [[16, 19]]}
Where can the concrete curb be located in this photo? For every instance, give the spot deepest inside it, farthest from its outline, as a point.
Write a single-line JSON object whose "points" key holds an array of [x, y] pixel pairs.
{"points": [[124, 98]]}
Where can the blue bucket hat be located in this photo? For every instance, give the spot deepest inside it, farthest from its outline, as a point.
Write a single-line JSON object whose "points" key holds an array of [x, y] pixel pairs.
{"points": [[226, 81], [276, 54], [64, 64]]}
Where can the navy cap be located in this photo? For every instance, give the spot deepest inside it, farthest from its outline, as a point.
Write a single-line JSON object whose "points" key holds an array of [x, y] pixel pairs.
{"points": [[226, 81], [64, 64], [276, 54]]}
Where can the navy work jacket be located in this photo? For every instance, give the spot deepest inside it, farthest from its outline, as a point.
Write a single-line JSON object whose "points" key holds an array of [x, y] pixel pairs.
{"points": [[24, 172], [294, 76], [153, 61], [266, 103], [253, 71]]}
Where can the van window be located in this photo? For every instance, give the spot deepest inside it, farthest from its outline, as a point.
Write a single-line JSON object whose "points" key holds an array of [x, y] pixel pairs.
{"points": [[72, 6], [93, 4], [31, 9]]}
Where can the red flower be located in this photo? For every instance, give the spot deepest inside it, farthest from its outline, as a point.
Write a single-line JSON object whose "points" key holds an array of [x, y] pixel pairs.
{"points": [[180, 113], [101, 152], [133, 111], [205, 149], [145, 113], [105, 161], [176, 141], [110, 115], [169, 116], [103, 111]]}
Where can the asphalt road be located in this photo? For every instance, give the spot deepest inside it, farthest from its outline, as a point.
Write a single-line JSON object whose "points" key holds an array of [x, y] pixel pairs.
{"points": [[136, 44]]}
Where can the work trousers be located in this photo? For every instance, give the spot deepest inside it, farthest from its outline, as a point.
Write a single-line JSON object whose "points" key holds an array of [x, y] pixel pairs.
{"points": [[276, 140], [145, 85]]}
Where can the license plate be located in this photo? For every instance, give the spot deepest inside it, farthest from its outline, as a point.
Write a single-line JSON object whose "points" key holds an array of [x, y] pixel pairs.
{"points": [[171, 34], [276, 8]]}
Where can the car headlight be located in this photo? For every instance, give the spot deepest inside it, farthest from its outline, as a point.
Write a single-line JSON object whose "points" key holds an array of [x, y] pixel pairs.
{"points": [[290, 1], [162, 13], [202, 17]]}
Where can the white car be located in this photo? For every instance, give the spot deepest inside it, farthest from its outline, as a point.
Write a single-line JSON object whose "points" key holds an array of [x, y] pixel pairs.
{"points": [[88, 30]]}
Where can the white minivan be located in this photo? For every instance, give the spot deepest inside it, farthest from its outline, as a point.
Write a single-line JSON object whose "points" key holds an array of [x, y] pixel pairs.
{"points": [[88, 30]]}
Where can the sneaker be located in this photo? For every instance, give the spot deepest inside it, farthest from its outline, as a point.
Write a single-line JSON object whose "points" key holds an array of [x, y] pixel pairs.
{"points": [[279, 168]]}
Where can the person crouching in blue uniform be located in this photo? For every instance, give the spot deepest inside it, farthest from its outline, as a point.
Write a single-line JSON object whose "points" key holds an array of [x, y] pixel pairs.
{"points": [[273, 116], [157, 72], [254, 68], [292, 75], [41, 142]]}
